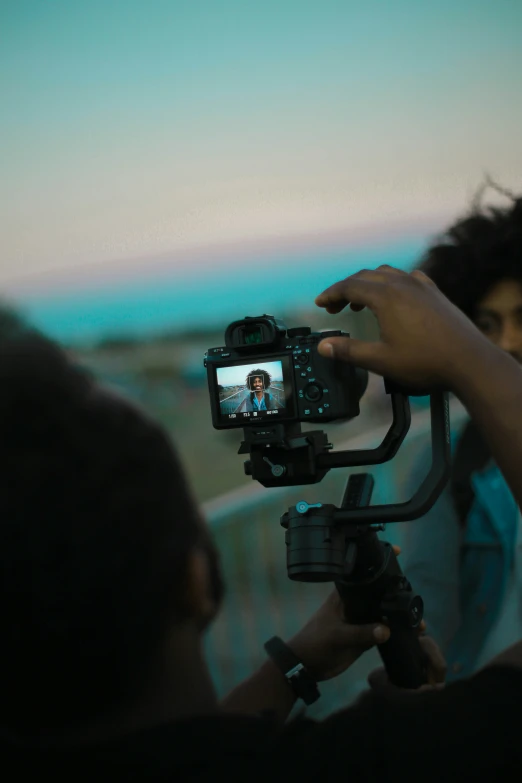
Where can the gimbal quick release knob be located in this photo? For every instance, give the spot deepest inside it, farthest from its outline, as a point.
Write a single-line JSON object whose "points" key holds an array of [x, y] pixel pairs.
{"points": [[302, 507], [277, 470]]}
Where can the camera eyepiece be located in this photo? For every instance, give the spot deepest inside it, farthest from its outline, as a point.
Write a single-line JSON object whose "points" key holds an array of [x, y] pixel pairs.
{"points": [[252, 333]]}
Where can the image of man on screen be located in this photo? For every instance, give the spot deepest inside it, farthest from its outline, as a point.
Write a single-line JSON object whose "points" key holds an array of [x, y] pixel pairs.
{"points": [[259, 398]]}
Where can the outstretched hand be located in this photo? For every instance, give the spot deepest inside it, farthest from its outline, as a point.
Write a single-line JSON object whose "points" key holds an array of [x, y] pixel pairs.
{"points": [[425, 341]]}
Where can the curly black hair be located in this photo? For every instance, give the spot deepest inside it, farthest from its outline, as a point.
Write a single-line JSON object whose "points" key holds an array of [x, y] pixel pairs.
{"points": [[96, 522], [478, 251], [267, 378]]}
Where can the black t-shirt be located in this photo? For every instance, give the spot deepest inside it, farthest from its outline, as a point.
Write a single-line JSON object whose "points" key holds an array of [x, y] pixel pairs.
{"points": [[471, 731]]}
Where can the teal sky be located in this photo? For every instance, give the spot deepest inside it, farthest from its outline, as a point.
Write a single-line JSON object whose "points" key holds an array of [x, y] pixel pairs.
{"points": [[132, 130]]}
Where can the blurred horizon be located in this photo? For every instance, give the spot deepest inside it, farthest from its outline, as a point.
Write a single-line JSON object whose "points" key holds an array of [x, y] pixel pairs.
{"points": [[144, 306]]}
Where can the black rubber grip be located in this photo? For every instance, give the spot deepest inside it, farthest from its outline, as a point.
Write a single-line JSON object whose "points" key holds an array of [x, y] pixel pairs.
{"points": [[402, 654], [404, 659]]}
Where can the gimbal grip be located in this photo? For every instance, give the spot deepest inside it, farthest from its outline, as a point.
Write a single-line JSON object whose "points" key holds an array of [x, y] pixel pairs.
{"points": [[402, 654], [404, 659]]}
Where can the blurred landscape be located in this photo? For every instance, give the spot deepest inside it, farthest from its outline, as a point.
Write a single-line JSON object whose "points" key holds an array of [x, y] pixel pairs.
{"points": [[165, 374]]}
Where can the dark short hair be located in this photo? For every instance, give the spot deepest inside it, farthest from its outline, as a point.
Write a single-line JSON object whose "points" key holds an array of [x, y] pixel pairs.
{"points": [[478, 251], [96, 522], [267, 378]]}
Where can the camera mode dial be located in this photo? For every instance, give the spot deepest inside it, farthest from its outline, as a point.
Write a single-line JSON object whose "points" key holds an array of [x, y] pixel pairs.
{"points": [[313, 392]]}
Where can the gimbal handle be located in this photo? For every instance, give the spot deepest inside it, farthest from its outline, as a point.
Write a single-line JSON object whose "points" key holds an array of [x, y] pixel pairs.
{"points": [[432, 486]]}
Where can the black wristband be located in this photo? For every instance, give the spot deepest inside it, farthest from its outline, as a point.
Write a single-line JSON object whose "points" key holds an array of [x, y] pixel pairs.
{"points": [[297, 676]]}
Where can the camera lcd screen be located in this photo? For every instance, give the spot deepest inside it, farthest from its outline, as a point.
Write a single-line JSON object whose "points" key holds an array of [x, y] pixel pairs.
{"points": [[253, 390]]}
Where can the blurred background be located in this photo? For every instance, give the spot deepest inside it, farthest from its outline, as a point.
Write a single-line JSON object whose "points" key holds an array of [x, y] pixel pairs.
{"points": [[168, 167]]}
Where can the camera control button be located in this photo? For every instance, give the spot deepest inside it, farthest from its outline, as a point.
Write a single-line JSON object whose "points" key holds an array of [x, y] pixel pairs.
{"points": [[313, 392], [303, 358], [331, 333], [299, 331]]}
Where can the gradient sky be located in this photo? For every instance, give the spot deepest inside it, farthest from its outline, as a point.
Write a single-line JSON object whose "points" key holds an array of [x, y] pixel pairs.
{"points": [[136, 130]]}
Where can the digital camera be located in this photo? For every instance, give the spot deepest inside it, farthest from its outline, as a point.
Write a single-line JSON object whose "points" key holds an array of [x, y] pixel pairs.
{"points": [[267, 373]]}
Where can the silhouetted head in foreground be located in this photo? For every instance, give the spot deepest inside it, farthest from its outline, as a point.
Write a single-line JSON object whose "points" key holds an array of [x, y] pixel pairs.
{"points": [[107, 572]]}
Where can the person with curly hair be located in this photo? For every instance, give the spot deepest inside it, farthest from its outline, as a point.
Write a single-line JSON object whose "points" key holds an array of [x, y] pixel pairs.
{"points": [[258, 397], [465, 555]]}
